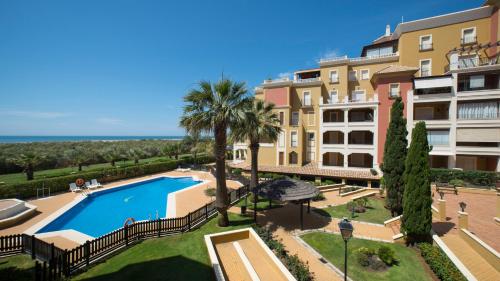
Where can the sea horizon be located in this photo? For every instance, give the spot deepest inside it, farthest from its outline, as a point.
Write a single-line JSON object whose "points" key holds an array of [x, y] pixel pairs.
{"points": [[69, 138]]}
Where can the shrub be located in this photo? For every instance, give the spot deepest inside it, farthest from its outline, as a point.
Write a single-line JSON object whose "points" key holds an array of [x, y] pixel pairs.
{"points": [[210, 192], [457, 182], [387, 255], [319, 197], [61, 184], [442, 266], [363, 256], [328, 182], [479, 178], [237, 171]]}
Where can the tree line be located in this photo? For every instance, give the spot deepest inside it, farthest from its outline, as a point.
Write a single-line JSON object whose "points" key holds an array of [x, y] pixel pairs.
{"points": [[30, 157]]}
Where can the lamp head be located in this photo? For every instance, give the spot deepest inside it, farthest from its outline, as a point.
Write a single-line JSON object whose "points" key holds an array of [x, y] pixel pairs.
{"points": [[346, 229]]}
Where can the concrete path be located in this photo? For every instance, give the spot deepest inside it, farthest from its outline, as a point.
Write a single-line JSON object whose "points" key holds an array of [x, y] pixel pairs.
{"points": [[474, 262]]}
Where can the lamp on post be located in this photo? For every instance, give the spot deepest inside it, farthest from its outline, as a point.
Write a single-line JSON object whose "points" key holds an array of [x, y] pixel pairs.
{"points": [[346, 230]]}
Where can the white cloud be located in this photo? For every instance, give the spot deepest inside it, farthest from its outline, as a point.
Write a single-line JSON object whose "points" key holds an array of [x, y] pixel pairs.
{"points": [[109, 121], [34, 114], [330, 54], [284, 74]]}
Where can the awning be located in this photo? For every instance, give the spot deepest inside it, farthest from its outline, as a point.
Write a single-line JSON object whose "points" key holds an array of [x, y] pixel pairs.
{"points": [[478, 135], [433, 82]]}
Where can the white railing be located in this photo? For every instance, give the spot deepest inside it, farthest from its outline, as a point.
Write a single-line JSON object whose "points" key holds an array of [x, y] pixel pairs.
{"points": [[277, 80], [308, 80], [348, 100], [358, 59]]}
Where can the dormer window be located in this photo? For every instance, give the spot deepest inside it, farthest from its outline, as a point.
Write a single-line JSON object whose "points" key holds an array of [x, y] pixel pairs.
{"points": [[469, 36]]}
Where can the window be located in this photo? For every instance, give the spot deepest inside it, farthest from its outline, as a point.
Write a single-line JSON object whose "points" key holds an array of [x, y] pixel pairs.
{"points": [[425, 42], [438, 137], [376, 52], [307, 98], [358, 95], [282, 117], [281, 139], [294, 139], [394, 90], [295, 118], [310, 118], [293, 158], [468, 61], [334, 76], [334, 97], [469, 35], [425, 68], [478, 110], [352, 75], [365, 74]]}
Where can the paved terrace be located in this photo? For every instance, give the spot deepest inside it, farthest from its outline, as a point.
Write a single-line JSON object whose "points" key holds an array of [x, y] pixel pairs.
{"points": [[312, 169], [186, 201]]}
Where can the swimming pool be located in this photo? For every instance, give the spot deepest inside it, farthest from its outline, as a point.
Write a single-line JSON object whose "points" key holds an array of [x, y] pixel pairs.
{"points": [[107, 210]]}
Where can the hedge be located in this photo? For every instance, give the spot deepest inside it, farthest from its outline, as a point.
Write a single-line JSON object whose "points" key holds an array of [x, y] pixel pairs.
{"points": [[479, 178], [60, 184], [442, 266]]}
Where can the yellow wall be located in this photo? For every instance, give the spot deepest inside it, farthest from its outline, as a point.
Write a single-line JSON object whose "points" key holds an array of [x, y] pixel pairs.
{"points": [[444, 38]]}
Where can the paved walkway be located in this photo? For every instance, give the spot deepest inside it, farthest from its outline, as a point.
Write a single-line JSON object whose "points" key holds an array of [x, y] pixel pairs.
{"points": [[474, 262], [286, 220], [333, 198]]}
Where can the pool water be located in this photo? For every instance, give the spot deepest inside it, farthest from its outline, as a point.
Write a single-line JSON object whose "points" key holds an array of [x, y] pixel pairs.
{"points": [[107, 210]]}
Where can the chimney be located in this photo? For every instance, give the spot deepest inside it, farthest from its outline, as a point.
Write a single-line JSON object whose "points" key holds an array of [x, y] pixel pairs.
{"points": [[387, 30]]}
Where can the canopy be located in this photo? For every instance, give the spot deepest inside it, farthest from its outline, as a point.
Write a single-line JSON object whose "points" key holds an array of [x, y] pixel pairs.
{"points": [[287, 189]]}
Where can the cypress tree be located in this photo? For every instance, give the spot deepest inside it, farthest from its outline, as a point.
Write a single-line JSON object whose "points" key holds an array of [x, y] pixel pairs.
{"points": [[395, 150], [417, 214]]}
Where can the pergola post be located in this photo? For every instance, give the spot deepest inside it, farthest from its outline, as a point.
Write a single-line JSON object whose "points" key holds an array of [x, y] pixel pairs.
{"points": [[270, 203], [301, 216], [308, 206]]}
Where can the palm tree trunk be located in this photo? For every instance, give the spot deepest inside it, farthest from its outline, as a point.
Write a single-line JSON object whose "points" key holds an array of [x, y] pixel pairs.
{"points": [[29, 172], [79, 167], [136, 161], [221, 199], [254, 181]]}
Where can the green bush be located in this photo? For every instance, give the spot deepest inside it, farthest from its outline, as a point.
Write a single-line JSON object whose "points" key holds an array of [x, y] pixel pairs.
{"points": [[387, 255], [237, 171], [319, 197], [363, 256], [479, 178], [457, 182], [442, 266], [328, 182], [61, 184]]}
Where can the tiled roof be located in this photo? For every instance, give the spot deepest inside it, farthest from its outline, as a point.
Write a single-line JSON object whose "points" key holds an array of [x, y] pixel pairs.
{"points": [[312, 169], [396, 68]]}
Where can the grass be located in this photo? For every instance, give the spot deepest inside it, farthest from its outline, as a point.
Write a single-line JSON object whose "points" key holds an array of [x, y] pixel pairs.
{"points": [[15, 178], [179, 257], [18, 268], [331, 246], [375, 212]]}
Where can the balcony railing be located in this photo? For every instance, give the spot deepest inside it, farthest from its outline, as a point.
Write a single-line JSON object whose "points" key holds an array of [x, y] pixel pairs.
{"points": [[358, 59], [277, 80], [307, 80], [425, 47], [473, 62], [468, 40]]}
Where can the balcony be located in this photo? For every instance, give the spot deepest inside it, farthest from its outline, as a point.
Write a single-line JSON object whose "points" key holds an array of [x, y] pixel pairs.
{"points": [[277, 82], [473, 62], [361, 115], [333, 138], [307, 81], [478, 81], [425, 47], [479, 111], [361, 138], [467, 40], [359, 60], [333, 116], [431, 111]]}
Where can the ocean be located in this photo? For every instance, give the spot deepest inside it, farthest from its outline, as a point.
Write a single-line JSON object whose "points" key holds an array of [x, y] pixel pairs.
{"points": [[26, 139]]}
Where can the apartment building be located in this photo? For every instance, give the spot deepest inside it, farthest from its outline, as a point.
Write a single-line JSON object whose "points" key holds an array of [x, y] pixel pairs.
{"points": [[334, 117]]}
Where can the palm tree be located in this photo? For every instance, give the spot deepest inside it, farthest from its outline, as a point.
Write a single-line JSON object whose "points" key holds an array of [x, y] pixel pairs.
{"points": [[78, 156], [173, 150], [28, 161], [113, 154], [258, 123], [135, 154], [214, 109]]}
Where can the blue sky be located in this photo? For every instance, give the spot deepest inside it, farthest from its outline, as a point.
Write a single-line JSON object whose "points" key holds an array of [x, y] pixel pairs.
{"points": [[122, 67]]}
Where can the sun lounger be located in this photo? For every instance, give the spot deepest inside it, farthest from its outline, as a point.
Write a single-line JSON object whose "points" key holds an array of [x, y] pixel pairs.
{"points": [[183, 169], [74, 188], [95, 183], [89, 186]]}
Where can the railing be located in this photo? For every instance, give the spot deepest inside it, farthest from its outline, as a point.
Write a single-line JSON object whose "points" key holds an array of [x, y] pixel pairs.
{"points": [[308, 80], [478, 116], [56, 261], [277, 80], [468, 40], [472, 62], [425, 47], [358, 59]]}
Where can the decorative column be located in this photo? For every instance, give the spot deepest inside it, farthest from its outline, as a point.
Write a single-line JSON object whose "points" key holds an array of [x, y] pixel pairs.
{"points": [[442, 209], [463, 220]]}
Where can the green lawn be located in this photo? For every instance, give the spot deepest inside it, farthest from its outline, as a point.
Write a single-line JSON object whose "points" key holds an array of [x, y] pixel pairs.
{"points": [[21, 177], [331, 246], [375, 212], [179, 257], [18, 268]]}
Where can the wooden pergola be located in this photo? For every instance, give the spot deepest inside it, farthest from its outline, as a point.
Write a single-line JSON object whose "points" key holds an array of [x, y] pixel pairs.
{"points": [[289, 190]]}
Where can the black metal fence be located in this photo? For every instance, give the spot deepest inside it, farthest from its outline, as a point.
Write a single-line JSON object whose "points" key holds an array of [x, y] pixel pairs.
{"points": [[53, 262]]}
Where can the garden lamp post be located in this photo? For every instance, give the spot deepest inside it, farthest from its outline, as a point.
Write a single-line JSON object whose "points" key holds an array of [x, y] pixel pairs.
{"points": [[346, 230]]}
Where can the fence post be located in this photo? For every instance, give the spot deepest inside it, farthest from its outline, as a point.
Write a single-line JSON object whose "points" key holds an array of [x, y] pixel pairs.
{"points": [[206, 211], [33, 246], [189, 221], [87, 252], [66, 264], [159, 227], [37, 271], [126, 234]]}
